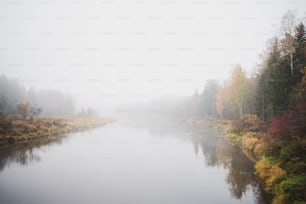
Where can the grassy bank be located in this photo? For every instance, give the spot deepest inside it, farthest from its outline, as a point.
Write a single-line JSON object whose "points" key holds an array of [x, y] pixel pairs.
{"points": [[282, 170], [280, 164], [220, 125], [16, 130]]}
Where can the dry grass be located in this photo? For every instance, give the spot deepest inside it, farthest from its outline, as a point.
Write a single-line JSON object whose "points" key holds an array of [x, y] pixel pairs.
{"points": [[220, 125], [16, 130]]}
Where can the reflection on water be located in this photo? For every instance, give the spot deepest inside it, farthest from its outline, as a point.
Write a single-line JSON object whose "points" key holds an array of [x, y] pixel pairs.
{"points": [[215, 154], [24, 154]]}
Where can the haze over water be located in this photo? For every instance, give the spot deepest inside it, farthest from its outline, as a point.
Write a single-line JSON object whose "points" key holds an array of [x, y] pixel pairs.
{"points": [[130, 162]]}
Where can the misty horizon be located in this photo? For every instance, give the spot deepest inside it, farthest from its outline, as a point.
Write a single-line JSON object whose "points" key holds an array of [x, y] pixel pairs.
{"points": [[112, 53]]}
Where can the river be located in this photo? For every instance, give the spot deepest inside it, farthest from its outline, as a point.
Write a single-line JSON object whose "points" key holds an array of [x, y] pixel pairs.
{"points": [[130, 162]]}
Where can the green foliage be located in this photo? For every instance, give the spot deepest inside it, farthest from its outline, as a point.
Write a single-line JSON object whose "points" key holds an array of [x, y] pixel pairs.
{"points": [[291, 190], [293, 151], [281, 104], [295, 167], [282, 72]]}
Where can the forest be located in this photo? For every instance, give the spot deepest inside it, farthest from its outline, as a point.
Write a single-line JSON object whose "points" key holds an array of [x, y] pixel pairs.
{"points": [[267, 111]]}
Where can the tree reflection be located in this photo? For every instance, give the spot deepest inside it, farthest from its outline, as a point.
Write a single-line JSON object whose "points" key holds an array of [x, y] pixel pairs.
{"points": [[241, 177], [24, 154], [217, 152]]}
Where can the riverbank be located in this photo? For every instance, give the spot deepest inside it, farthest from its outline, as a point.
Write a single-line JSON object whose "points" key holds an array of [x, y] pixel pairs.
{"points": [[15, 130], [223, 126], [281, 167]]}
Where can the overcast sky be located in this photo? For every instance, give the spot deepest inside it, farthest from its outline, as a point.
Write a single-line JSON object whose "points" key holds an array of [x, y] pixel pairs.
{"points": [[110, 51]]}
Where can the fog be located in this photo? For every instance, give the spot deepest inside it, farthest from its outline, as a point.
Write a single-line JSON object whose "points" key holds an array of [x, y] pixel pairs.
{"points": [[109, 53]]}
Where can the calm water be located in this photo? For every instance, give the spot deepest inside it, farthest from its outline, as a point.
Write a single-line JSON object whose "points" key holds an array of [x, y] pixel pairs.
{"points": [[129, 162]]}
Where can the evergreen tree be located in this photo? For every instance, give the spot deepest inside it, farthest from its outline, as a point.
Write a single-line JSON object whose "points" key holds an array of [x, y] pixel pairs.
{"points": [[299, 55]]}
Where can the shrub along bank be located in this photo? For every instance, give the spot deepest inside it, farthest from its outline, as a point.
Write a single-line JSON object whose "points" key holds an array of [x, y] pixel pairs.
{"points": [[279, 150]]}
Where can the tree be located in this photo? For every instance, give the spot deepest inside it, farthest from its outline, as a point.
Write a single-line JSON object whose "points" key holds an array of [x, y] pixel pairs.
{"points": [[23, 109], [275, 82], [299, 55], [288, 22], [239, 91], [221, 101]]}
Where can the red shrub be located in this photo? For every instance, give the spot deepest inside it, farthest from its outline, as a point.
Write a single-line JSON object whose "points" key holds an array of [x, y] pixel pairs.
{"points": [[280, 126], [301, 107]]}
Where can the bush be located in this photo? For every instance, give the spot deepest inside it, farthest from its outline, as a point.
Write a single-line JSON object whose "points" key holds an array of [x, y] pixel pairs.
{"points": [[291, 190], [293, 151], [249, 141], [234, 138], [246, 123], [268, 170], [280, 126], [259, 149], [5, 124], [295, 168], [290, 124]]}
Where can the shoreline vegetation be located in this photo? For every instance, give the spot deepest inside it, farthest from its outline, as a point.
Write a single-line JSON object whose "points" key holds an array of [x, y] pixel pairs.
{"points": [[283, 173], [15, 130], [267, 110]]}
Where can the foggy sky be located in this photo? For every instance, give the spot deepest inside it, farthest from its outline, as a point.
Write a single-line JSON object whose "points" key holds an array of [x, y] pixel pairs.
{"points": [[110, 52]]}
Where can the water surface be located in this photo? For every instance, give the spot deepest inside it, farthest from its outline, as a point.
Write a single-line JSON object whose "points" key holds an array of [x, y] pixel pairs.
{"points": [[130, 162]]}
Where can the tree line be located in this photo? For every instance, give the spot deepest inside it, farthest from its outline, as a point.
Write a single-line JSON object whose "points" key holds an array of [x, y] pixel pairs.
{"points": [[278, 87], [16, 100]]}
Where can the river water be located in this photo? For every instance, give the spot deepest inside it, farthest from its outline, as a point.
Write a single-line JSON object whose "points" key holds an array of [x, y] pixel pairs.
{"points": [[130, 162]]}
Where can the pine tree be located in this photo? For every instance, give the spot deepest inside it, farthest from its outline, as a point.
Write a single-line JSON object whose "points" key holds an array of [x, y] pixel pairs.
{"points": [[299, 55]]}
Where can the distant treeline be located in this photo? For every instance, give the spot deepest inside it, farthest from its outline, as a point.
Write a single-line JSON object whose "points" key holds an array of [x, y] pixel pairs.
{"points": [[278, 87], [15, 99]]}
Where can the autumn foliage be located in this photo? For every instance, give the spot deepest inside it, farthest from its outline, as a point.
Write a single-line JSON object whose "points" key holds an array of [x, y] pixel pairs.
{"points": [[288, 124], [280, 126]]}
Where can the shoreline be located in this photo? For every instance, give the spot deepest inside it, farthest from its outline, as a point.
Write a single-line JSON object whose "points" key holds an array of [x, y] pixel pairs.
{"points": [[17, 131], [277, 179]]}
